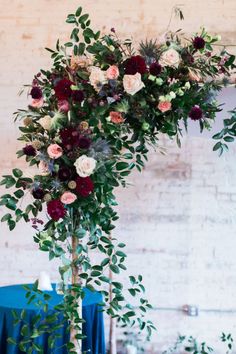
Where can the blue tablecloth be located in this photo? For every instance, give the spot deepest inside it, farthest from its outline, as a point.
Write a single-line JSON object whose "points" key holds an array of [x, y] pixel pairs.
{"points": [[13, 298]]}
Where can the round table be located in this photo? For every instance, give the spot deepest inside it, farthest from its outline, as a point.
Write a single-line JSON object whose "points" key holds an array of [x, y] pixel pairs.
{"points": [[13, 298]]}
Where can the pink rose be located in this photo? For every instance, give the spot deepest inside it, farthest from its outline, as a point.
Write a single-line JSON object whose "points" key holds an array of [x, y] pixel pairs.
{"points": [[37, 102], [113, 72], [116, 117], [164, 106], [54, 151], [63, 106], [68, 198], [170, 58]]}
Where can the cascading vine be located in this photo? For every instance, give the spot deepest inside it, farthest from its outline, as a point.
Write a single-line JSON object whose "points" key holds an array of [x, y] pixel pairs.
{"points": [[91, 120]]}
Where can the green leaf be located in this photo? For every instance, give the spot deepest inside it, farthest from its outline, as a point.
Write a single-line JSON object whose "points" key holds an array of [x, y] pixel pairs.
{"points": [[11, 224], [217, 146], [19, 193], [78, 11], [6, 217], [105, 262], [114, 268], [132, 292], [81, 48], [17, 172], [120, 254], [83, 18], [122, 166], [228, 139], [11, 341]]}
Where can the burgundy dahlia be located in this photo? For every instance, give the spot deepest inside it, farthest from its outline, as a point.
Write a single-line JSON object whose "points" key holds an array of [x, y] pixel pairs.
{"points": [[195, 113], [84, 186], [84, 142], [29, 150], [36, 93], [155, 69], [64, 174], [38, 193], [199, 43], [135, 64], [69, 137], [78, 95], [63, 89], [56, 209]]}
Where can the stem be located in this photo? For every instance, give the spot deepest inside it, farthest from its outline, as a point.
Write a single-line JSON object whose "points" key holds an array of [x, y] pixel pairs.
{"points": [[75, 282], [112, 329]]}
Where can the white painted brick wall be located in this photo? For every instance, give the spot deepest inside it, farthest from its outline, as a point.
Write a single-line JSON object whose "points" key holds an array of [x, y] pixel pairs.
{"points": [[178, 218]]}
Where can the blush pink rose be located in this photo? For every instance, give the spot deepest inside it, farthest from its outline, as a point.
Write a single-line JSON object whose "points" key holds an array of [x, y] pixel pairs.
{"points": [[68, 198], [63, 106], [164, 106], [116, 117], [37, 102], [54, 151], [113, 72]]}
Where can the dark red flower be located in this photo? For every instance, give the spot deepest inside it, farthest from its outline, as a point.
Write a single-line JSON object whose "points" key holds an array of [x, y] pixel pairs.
{"points": [[36, 93], [38, 193], [29, 150], [135, 64], [64, 174], [84, 186], [78, 95], [155, 69], [198, 43], [187, 57], [69, 137], [63, 90], [84, 142], [195, 113], [56, 209]]}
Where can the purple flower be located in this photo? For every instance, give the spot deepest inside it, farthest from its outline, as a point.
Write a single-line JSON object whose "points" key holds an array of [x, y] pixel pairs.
{"points": [[78, 95], [84, 142], [199, 43], [36, 93], [64, 174], [135, 64], [195, 113], [155, 69], [38, 193], [29, 150]]}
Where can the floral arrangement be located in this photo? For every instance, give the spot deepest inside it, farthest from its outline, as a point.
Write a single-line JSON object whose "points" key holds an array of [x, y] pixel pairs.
{"points": [[91, 120]]}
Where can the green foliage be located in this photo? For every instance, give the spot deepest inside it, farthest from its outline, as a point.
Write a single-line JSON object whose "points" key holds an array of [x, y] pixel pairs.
{"points": [[227, 134]]}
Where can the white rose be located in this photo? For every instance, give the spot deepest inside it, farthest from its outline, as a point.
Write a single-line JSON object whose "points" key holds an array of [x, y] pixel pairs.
{"points": [[133, 83], [97, 78], [85, 166], [46, 122], [170, 58]]}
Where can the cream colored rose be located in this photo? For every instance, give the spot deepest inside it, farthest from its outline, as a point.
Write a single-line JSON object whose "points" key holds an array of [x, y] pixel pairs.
{"points": [[170, 58], [85, 165], [46, 122], [133, 83], [97, 78]]}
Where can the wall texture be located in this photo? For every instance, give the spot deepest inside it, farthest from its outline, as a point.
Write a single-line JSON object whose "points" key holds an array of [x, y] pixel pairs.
{"points": [[178, 218]]}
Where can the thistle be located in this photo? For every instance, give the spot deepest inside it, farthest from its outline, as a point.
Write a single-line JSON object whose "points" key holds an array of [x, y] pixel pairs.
{"points": [[149, 50]]}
